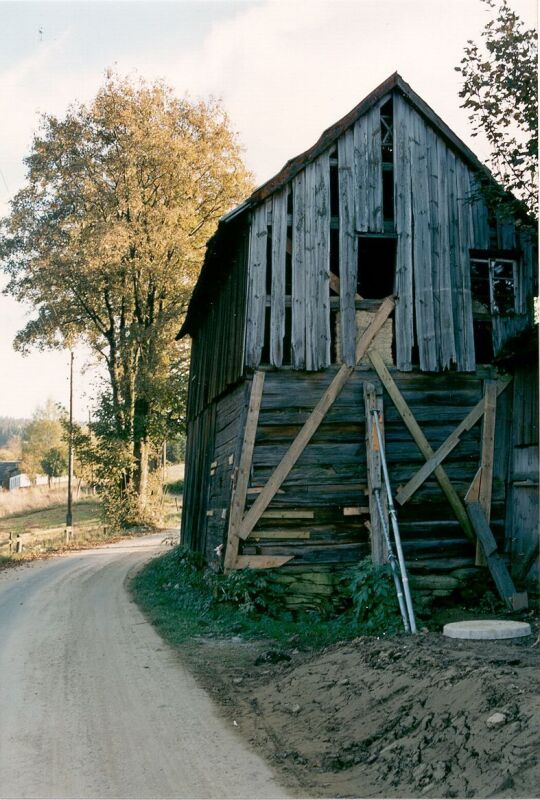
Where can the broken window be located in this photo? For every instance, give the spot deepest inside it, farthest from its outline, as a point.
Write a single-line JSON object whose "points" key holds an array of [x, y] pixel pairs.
{"points": [[493, 284], [493, 287], [376, 266]]}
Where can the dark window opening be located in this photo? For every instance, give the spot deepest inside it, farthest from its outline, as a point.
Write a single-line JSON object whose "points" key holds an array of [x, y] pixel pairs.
{"points": [[388, 195], [288, 263], [287, 354], [289, 201], [265, 355], [376, 267], [269, 261], [493, 283], [334, 190], [483, 341], [334, 262], [334, 316]]}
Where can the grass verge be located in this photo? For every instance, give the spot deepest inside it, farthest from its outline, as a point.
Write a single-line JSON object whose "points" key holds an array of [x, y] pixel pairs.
{"points": [[183, 600]]}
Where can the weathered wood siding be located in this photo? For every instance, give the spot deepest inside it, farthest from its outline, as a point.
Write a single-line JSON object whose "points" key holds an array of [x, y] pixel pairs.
{"points": [[437, 221], [523, 509], [214, 441], [257, 267], [217, 346], [440, 215]]}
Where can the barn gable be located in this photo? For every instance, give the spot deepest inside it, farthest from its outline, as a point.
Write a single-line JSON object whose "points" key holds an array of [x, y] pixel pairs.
{"points": [[292, 293]]}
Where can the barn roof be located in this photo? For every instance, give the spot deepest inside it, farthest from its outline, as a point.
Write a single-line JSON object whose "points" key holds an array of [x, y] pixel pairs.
{"points": [[206, 283]]}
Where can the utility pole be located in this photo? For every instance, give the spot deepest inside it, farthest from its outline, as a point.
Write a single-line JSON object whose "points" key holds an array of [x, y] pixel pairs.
{"points": [[69, 512]]}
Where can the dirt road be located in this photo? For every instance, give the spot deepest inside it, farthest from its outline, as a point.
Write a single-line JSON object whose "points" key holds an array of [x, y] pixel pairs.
{"points": [[93, 704]]}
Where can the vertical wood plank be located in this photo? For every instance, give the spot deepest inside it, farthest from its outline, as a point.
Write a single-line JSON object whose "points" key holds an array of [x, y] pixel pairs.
{"points": [[368, 172], [506, 234], [238, 501], [277, 300], [360, 174], [348, 247], [487, 457], [463, 272], [310, 332], [256, 286], [447, 347], [373, 401], [432, 164], [321, 265], [404, 333], [299, 294], [480, 217], [375, 199], [423, 288]]}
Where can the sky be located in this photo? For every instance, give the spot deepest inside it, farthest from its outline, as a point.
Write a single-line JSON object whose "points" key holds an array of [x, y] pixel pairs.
{"points": [[284, 70]]}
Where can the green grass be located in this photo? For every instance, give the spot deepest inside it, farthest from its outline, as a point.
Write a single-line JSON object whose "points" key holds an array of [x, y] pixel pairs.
{"points": [[85, 512], [180, 601]]}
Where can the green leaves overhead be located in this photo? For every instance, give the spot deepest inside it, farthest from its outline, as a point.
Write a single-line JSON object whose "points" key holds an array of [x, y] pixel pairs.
{"points": [[499, 90]]}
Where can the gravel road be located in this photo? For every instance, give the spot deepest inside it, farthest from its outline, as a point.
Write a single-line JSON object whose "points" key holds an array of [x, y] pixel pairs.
{"points": [[93, 704]]}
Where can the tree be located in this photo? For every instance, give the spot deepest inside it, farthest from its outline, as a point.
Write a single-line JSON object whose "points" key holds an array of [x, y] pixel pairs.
{"points": [[54, 463], [500, 91], [106, 240], [42, 434]]}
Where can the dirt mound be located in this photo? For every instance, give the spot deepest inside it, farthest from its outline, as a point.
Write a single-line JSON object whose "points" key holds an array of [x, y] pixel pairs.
{"points": [[402, 717]]}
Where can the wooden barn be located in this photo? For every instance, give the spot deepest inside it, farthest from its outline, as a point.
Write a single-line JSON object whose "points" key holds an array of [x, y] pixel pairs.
{"points": [[368, 273]]}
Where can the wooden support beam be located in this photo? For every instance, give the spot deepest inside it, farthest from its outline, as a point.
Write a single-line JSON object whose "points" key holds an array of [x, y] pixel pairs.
{"points": [[279, 533], [238, 501], [373, 400], [421, 442], [407, 491], [312, 423], [473, 492], [288, 513], [497, 567], [486, 459], [261, 562]]}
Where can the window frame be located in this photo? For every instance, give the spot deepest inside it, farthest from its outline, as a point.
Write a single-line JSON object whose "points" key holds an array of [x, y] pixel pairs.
{"points": [[490, 258]]}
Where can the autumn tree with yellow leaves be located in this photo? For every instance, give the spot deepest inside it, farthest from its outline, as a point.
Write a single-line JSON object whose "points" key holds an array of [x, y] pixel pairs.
{"points": [[106, 240]]}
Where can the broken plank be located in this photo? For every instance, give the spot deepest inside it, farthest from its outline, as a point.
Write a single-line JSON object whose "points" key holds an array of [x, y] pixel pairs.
{"points": [[406, 492], [313, 422], [261, 562], [239, 494], [421, 441]]}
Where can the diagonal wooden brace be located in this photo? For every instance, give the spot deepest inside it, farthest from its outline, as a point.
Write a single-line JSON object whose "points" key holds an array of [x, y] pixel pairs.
{"points": [[312, 423], [421, 442], [407, 491]]}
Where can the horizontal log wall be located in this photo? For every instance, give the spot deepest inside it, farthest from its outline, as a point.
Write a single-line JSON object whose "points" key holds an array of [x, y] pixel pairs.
{"points": [[320, 514], [214, 440]]}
